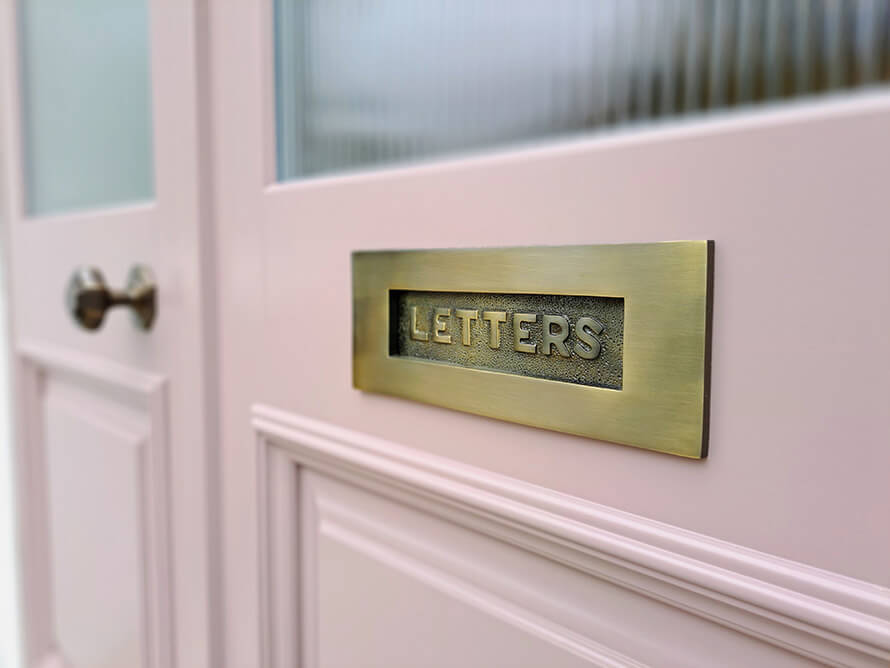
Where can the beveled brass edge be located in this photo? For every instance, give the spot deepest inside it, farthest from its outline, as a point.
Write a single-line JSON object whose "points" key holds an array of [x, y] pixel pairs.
{"points": [[379, 381], [709, 324]]}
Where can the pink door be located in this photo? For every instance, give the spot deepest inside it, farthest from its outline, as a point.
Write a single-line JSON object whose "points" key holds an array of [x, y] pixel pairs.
{"points": [[395, 533], [102, 164], [208, 487]]}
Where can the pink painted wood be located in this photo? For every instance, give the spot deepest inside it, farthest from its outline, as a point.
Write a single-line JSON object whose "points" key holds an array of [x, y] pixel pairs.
{"points": [[353, 529], [793, 196], [116, 485]]}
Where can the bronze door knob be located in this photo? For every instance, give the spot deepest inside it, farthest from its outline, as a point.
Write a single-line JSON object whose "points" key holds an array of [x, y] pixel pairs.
{"points": [[88, 297]]}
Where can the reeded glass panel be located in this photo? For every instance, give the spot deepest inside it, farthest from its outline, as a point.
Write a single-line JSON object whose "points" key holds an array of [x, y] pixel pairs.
{"points": [[86, 104], [372, 82]]}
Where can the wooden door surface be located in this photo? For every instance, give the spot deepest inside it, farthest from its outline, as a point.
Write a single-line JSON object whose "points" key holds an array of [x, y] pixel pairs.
{"points": [[363, 530], [215, 492], [101, 145]]}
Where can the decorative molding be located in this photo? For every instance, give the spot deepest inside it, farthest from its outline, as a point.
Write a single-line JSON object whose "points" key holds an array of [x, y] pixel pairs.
{"points": [[811, 612], [376, 543], [133, 388]]}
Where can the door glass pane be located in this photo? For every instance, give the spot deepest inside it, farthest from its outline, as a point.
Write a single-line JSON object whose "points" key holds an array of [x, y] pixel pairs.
{"points": [[86, 104], [371, 82]]}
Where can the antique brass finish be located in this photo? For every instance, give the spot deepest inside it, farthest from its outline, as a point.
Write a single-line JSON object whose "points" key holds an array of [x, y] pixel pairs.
{"points": [[88, 297], [609, 342], [546, 336]]}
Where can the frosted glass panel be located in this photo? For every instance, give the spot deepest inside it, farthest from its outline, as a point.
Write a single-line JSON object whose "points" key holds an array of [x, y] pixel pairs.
{"points": [[86, 104], [372, 82]]}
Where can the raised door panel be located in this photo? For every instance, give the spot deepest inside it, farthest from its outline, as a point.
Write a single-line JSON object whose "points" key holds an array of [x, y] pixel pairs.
{"points": [[95, 501], [404, 588], [95, 527], [377, 608], [376, 554]]}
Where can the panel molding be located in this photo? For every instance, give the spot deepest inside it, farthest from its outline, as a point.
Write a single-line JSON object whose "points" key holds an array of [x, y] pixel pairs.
{"points": [[814, 613], [146, 392], [373, 541]]}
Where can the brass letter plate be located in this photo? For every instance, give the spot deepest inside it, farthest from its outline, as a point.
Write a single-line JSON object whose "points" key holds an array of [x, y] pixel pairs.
{"points": [[609, 342]]}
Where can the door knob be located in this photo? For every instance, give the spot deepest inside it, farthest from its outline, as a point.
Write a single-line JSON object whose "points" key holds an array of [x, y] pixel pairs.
{"points": [[89, 298]]}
